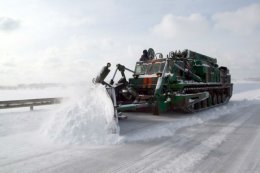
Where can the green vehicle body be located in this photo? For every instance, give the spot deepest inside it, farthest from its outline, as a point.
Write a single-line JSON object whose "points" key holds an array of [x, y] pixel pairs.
{"points": [[186, 81]]}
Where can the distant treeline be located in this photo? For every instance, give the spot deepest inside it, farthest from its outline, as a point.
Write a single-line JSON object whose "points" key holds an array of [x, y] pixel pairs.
{"points": [[253, 79], [34, 85]]}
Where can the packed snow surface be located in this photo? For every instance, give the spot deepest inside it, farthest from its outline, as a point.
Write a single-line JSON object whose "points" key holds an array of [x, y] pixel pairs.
{"points": [[87, 117], [33, 141]]}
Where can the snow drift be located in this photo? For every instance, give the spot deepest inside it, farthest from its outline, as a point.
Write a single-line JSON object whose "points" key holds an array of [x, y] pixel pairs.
{"points": [[88, 117]]}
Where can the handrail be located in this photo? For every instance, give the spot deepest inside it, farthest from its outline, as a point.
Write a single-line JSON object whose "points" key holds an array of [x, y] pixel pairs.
{"points": [[29, 103]]}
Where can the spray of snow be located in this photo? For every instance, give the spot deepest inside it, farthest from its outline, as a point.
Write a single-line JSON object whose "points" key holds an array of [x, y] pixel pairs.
{"points": [[87, 117]]}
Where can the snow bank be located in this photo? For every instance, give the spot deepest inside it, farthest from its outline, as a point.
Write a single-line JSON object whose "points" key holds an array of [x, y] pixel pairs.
{"points": [[87, 117], [243, 87], [247, 95]]}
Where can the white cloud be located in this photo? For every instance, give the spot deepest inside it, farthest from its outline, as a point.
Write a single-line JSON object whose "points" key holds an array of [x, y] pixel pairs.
{"points": [[231, 36], [173, 27], [245, 20], [8, 24], [70, 41], [58, 19]]}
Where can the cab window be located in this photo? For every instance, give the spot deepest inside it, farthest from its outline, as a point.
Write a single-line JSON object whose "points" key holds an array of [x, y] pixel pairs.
{"points": [[140, 69]]}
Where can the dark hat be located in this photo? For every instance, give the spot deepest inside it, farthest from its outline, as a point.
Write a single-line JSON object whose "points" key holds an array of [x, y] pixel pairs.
{"points": [[145, 51]]}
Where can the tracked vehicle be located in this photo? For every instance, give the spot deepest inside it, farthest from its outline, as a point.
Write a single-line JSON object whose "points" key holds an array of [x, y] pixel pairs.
{"points": [[186, 81]]}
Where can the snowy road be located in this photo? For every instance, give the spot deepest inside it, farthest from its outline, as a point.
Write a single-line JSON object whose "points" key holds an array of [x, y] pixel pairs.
{"points": [[223, 139]]}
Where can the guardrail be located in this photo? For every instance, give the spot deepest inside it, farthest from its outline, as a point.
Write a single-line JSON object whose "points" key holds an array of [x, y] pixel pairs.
{"points": [[29, 103]]}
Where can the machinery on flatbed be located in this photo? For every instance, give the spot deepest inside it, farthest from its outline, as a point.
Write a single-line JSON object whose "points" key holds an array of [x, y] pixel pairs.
{"points": [[186, 81]]}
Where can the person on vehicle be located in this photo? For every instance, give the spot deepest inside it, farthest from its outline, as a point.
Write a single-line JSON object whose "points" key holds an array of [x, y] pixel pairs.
{"points": [[151, 54], [144, 57]]}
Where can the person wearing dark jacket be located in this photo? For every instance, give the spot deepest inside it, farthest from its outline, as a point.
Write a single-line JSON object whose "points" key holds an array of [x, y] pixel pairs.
{"points": [[144, 57]]}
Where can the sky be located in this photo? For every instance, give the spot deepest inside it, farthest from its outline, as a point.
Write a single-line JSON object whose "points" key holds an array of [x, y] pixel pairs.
{"points": [[64, 41]]}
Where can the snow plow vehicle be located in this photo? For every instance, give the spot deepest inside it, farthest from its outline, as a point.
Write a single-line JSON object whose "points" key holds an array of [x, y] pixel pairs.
{"points": [[186, 81]]}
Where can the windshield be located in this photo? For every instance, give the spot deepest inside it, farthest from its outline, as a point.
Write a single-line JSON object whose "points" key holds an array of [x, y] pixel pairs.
{"points": [[154, 68], [149, 68], [141, 69]]}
